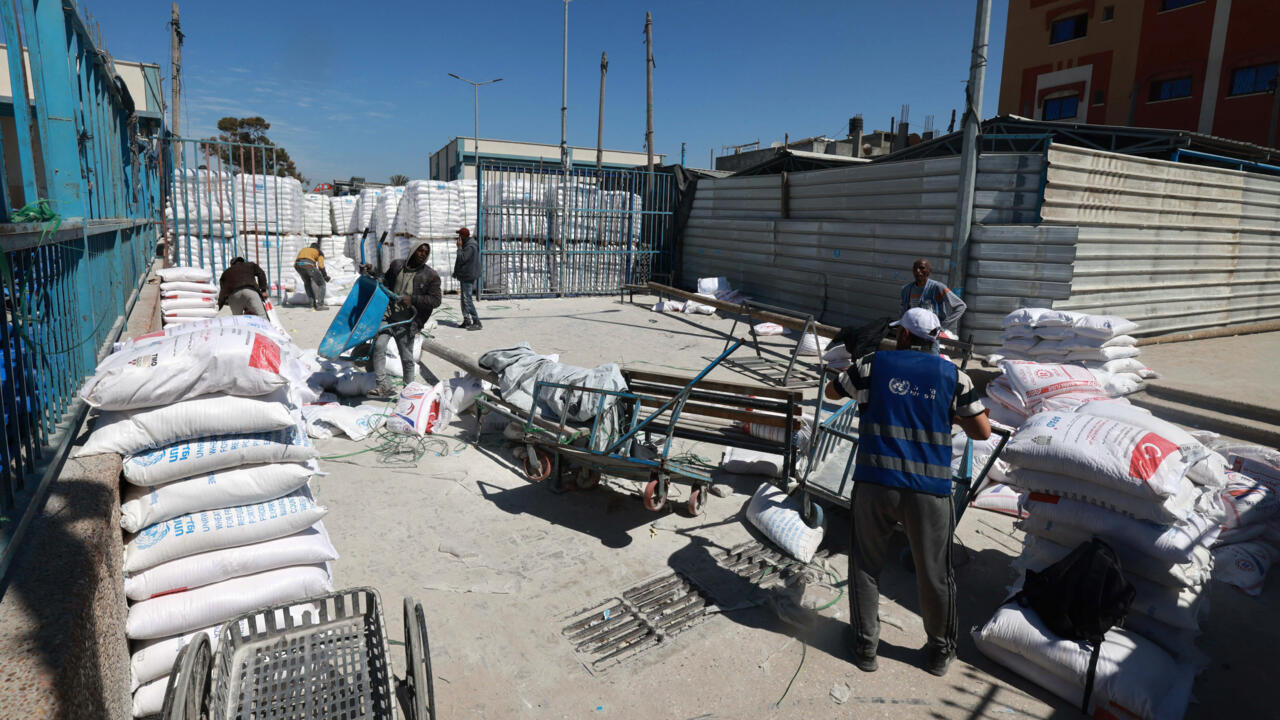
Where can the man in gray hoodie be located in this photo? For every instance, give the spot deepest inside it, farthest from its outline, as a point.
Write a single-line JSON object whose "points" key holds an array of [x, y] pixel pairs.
{"points": [[466, 270]]}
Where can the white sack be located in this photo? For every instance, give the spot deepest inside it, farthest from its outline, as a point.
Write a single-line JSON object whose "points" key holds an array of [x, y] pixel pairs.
{"points": [[201, 456], [192, 313], [767, 328], [204, 302], [1000, 498], [1248, 501], [227, 488], [1037, 382], [308, 547], [210, 530], [812, 344], [778, 517], [1103, 326], [1170, 543], [419, 410], [231, 361], [204, 288], [131, 432], [1189, 500], [751, 462], [204, 606], [1243, 565], [153, 660], [1134, 678], [148, 700], [1107, 452], [1136, 559], [185, 274], [1023, 317], [838, 357], [323, 419], [1208, 468]]}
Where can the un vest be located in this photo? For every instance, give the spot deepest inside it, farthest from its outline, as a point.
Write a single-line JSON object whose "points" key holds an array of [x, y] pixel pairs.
{"points": [[904, 434]]}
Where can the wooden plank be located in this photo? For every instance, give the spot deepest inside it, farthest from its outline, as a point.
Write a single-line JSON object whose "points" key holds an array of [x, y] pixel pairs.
{"points": [[717, 385], [724, 413], [787, 321]]}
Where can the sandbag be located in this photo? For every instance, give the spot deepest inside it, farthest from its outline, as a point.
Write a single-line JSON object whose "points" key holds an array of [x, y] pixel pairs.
{"points": [[1134, 678], [419, 410], [185, 274], [308, 547], [1170, 543], [778, 517], [1243, 565], [1189, 499], [179, 367], [190, 458], [245, 485], [1107, 452], [210, 530], [131, 432], [186, 611]]}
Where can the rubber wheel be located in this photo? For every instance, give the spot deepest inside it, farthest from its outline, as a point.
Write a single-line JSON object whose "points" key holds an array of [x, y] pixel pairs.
{"points": [[417, 661], [814, 517], [697, 501], [186, 695], [587, 479], [537, 465], [655, 495]]}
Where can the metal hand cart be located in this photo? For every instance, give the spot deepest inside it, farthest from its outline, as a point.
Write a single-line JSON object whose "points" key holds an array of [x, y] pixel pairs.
{"points": [[360, 318], [316, 659], [554, 449], [828, 474]]}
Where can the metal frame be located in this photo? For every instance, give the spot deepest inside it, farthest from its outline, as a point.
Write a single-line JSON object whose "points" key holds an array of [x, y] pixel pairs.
{"points": [[767, 369], [70, 283]]}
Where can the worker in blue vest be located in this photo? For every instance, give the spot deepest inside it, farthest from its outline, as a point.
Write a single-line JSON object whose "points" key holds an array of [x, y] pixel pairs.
{"points": [[907, 401]]}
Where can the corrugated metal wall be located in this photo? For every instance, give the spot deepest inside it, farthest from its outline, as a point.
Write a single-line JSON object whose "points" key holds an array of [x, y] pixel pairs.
{"points": [[852, 233], [1171, 246]]}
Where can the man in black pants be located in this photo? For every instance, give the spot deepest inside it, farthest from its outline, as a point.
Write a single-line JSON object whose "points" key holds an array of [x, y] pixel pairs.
{"points": [[907, 401], [466, 270], [417, 289]]}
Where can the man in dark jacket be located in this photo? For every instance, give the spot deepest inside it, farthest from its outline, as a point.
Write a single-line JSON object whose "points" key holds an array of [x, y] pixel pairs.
{"points": [[243, 286], [466, 270], [417, 290]]}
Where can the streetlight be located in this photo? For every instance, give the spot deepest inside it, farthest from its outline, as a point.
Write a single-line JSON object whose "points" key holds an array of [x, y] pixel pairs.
{"points": [[475, 87]]}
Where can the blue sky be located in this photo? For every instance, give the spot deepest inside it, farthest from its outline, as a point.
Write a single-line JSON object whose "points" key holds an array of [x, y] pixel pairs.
{"points": [[361, 88]]}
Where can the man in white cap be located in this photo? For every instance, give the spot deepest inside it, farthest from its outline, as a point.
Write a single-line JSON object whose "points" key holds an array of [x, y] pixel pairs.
{"points": [[907, 401]]}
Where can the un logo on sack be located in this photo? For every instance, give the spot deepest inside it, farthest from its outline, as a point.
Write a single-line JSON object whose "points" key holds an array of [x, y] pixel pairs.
{"points": [[898, 386], [152, 535], [149, 459]]}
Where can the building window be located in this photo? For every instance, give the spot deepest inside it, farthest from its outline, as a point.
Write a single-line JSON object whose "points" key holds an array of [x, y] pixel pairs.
{"points": [[1170, 89], [1108, 13], [1068, 29], [1254, 79], [1099, 97], [1060, 108], [1175, 4]]}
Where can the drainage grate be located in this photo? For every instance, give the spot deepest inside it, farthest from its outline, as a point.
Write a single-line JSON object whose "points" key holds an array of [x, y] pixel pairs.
{"points": [[761, 565], [643, 617]]}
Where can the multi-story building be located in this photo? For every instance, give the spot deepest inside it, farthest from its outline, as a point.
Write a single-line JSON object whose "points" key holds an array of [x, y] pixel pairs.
{"points": [[1208, 66]]}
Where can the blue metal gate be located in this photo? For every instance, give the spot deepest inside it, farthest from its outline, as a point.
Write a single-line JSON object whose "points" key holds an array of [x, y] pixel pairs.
{"points": [[544, 231]]}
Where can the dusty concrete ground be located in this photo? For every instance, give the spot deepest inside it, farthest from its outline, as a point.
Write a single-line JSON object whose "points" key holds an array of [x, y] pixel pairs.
{"points": [[501, 564], [1239, 369]]}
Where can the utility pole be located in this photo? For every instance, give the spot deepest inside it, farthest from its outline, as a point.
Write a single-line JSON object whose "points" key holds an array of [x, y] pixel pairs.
{"points": [[564, 93], [969, 154], [604, 67], [682, 154], [475, 88], [1275, 110], [175, 48], [648, 81]]}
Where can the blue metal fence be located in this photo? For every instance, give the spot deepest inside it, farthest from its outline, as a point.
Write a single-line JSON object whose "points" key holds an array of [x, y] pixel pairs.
{"points": [[72, 260]]}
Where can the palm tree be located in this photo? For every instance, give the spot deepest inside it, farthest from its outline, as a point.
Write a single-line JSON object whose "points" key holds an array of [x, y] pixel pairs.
{"points": [[399, 179]]}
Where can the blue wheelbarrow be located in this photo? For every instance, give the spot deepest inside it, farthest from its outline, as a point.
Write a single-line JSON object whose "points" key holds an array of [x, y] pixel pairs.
{"points": [[360, 319]]}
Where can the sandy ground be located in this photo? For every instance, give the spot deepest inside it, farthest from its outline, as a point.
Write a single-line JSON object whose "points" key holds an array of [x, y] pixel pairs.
{"points": [[501, 564]]}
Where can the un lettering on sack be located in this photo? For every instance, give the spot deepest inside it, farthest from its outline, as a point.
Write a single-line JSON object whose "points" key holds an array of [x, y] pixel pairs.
{"points": [[419, 410], [1107, 452], [210, 530], [185, 611], [308, 547], [201, 456], [129, 432], [226, 488]]}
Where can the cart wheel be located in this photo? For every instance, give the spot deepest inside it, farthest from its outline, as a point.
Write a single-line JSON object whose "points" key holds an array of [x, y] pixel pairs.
{"points": [[813, 516], [186, 696], [697, 501], [537, 464], [588, 479], [655, 494], [417, 661]]}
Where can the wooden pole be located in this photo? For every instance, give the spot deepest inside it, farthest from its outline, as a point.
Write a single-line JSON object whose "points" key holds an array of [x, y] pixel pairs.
{"points": [[786, 321]]}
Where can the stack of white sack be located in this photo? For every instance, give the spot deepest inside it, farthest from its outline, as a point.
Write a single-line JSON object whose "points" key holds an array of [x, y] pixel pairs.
{"points": [[719, 288], [468, 195], [1250, 539], [340, 212], [187, 294], [362, 212], [267, 203], [333, 247], [1153, 493], [427, 209], [216, 468], [517, 208], [1024, 388], [382, 221], [199, 198], [317, 216], [1101, 343]]}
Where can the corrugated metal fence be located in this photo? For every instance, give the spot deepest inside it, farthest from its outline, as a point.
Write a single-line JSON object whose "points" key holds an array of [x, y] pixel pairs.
{"points": [[71, 271], [1169, 245]]}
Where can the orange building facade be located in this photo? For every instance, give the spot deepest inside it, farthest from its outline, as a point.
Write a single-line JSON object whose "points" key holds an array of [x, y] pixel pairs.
{"points": [[1202, 65]]}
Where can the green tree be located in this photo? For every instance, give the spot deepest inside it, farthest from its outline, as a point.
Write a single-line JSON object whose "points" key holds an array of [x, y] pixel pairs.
{"points": [[399, 179], [270, 159]]}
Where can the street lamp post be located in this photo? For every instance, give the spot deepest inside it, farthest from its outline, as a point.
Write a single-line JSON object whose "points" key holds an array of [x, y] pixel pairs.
{"points": [[475, 87]]}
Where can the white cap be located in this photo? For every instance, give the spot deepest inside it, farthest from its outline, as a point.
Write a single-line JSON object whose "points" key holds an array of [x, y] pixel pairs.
{"points": [[920, 322]]}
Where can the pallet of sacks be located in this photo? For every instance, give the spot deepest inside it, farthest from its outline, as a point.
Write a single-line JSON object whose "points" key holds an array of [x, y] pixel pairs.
{"points": [[187, 295], [1103, 468], [1101, 343], [340, 212], [317, 216], [217, 510], [267, 203]]}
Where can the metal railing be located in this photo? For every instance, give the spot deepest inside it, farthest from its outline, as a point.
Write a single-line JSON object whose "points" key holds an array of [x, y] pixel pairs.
{"points": [[544, 231], [73, 259]]}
